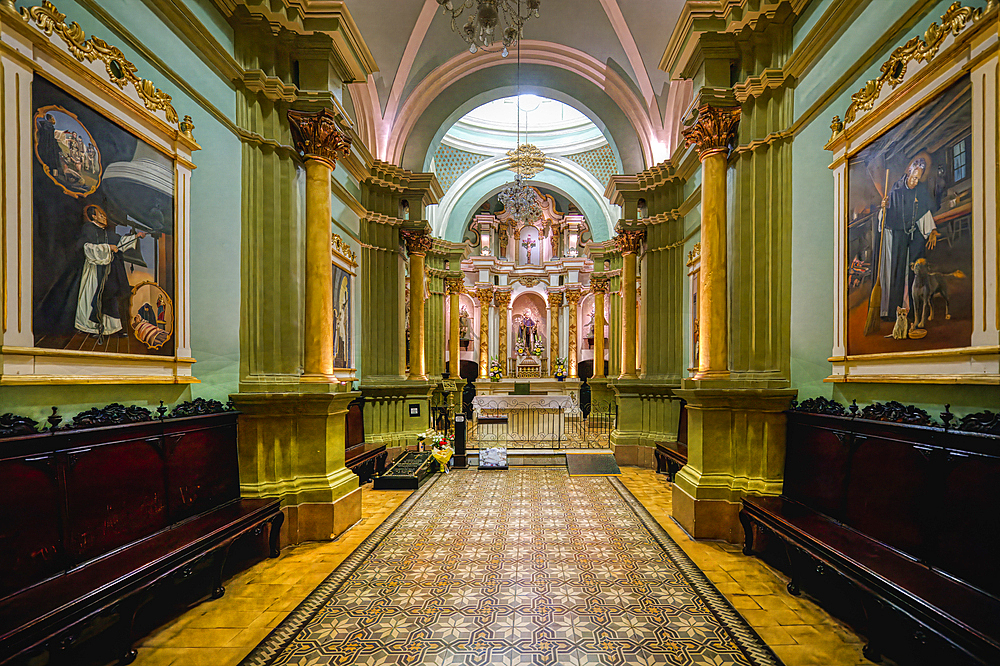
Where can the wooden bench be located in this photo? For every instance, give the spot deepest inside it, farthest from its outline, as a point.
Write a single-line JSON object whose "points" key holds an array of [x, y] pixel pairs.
{"points": [[671, 456], [364, 460], [106, 527], [895, 527]]}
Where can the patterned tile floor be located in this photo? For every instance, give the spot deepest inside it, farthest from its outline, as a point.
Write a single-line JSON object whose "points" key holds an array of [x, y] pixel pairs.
{"points": [[223, 632], [546, 569]]}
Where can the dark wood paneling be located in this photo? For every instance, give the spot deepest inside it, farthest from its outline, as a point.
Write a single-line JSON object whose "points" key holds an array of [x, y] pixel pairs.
{"points": [[31, 548]]}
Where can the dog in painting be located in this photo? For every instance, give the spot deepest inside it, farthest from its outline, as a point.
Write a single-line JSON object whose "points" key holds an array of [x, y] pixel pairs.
{"points": [[926, 285]]}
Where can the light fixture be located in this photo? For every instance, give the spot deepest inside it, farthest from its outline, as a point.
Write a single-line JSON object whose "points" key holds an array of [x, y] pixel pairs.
{"points": [[519, 200], [480, 30]]}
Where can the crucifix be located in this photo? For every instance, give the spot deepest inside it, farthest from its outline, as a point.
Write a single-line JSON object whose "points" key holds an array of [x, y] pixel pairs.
{"points": [[528, 243]]}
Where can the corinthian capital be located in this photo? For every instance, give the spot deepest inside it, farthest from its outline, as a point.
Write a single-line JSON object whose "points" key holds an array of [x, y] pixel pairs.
{"points": [[599, 285], [629, 242], [573, 296], [317, 136], [501, 299], [714, 131], [417, 242], [555, 299], [485, 296], [455, 285]]}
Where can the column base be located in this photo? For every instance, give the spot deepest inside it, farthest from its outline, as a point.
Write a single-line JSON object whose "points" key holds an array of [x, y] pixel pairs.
{"points": [[736, 446], [291, 446], [707, 519], [648, 413], [320, 521]]}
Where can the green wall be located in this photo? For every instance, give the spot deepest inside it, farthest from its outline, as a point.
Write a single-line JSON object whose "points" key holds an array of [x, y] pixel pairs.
{"points": [[215, 212], [813, 224]]}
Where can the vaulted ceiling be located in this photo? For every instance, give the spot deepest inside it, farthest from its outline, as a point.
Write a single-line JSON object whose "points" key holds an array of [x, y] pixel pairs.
{"points": [[600, 56]]}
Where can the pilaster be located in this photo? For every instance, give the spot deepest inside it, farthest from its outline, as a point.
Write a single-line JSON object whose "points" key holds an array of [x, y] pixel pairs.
{"points": [[573, 303], [485, 297], [555, 305], [502, 301]]}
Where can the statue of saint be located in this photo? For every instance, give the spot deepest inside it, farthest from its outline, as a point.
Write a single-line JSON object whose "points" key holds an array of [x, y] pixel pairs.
{"points": [[527, 331], [464, 324], [528, 243]]}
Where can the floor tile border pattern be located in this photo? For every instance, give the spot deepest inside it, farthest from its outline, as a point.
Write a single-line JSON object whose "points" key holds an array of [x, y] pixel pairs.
{"points": [[285, 632], [752, 645]]}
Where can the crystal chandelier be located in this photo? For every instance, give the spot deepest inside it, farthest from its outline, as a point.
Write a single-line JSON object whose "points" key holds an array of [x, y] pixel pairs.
{"points": [[519, 200], [480, 30]]}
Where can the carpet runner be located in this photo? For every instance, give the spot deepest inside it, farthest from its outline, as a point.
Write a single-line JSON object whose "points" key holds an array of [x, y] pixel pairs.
{"points": [[528, 566]]}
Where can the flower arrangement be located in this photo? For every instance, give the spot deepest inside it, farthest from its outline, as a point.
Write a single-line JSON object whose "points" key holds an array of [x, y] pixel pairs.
{"points": [[441, 447], [560, 369], [539, 349], [494, 371], [521, 349]]}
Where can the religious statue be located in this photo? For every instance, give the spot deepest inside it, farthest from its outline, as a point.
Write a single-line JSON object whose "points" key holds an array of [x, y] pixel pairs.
{"points": [[464, 324], [528, 243], [527, 332], [590, 326]]}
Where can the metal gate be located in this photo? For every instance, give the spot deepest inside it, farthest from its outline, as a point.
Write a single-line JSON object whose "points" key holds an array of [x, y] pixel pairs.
{"points": [[543, 425]]}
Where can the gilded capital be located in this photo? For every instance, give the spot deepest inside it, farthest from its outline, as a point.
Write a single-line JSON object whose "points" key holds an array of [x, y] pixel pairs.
{"points": [[629, 242], [455, 285], [317, 136], [714, 131], [599, 285], [501, 299], [555, 299], [417, 242], [485, 296], [573, 297]]}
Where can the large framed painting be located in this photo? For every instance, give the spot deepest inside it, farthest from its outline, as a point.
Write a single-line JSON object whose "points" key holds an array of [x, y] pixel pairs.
{"points": [[344, 271], [909, 231], [96, 181], [104, 256], [915, 172]]}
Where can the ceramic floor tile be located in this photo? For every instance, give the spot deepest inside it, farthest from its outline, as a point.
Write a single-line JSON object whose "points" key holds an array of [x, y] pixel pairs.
{"points": [[809, 636]]}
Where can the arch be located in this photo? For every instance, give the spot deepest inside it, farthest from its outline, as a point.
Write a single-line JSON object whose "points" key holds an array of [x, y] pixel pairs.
{"points": [[508, 91], [575, 74], [449, 218]]}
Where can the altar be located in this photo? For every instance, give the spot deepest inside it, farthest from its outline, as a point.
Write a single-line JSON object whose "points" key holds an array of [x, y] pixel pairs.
{"points": [[525, 421]]}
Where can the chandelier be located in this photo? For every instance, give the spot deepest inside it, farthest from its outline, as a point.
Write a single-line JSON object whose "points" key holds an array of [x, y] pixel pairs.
{"points": [[521, 201], [480, 31]]}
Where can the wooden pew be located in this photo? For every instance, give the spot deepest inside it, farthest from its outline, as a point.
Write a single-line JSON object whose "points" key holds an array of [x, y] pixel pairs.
{"points": [[671, 456], [896, 526], [367, 463], [100, 527]]}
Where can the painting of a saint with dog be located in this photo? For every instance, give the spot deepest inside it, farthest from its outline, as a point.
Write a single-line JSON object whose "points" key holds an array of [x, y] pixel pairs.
{"points": [[909, 232]]}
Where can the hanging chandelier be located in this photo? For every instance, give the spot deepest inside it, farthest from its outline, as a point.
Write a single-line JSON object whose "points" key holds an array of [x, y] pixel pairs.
{"points": [[480, 31], [519, 200]]}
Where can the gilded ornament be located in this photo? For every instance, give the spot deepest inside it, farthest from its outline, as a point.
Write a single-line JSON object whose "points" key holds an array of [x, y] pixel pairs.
{"points": [[455, 285], [186, 127], [573, 297], [338, 246], [120, 70], [714, 131], [599, 285], [318, 137], [836, 127], [528, 281], [485, 296], [555, 299], [417, 242], [501, 299], [629, 242], [527, 160], [953, 22], [694, 256]]}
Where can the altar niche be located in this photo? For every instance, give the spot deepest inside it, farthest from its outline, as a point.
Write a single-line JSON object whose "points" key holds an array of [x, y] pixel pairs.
{"points": [[531, 247], [528, 327]]}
